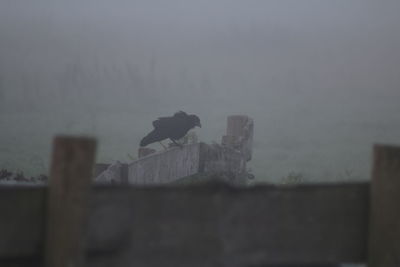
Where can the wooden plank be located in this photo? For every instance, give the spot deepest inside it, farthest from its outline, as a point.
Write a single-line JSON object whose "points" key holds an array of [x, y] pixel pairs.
{"points": [[176, 163], [21, 221], [166, 166], [303, 225], [124, 174], [214, 159], [116, 173], [207, 225], [145, 151], [384, 236], [251, 227], [99, 168], [70, 178]]}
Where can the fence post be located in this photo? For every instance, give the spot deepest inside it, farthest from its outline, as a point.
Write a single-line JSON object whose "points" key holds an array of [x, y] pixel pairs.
{"points": [[69, 184], [239, 135], [384, 233]]}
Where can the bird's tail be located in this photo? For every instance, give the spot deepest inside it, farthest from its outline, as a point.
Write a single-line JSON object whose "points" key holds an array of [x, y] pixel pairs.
{"points": [[150, 138]]}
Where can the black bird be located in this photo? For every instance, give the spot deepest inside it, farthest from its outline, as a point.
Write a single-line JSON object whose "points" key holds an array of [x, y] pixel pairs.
{"points": [[174, 128]]}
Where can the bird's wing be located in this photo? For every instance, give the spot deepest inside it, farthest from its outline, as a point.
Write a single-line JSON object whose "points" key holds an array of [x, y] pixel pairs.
{"points": [[161, 122], [180, 114], [170, 121]]}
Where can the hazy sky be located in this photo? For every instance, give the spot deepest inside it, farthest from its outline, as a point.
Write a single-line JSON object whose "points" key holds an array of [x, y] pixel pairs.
{"points": [[315, 75]]}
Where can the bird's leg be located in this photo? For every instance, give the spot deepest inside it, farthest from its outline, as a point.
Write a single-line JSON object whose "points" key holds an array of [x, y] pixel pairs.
{"points": [[176, 143], [163, 145]]}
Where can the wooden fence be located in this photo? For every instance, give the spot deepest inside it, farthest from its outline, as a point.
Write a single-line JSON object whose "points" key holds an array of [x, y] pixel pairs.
{"points": [[191, 161], [69, 223]]}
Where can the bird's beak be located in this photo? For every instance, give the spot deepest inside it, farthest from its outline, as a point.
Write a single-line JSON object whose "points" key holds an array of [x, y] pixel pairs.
{"points": [[198, 124]]}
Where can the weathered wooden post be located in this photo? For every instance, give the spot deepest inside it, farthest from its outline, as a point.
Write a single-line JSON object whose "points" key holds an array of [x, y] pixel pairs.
{"points": [[384, 233], [70, 178], [144, 151], [239, 135]]}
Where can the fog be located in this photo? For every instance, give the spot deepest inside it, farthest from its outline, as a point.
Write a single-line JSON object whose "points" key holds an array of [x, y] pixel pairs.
{"points": [[321, 79]]}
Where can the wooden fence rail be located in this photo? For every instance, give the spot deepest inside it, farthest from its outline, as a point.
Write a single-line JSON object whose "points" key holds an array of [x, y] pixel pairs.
{"points": [[205, 225]]}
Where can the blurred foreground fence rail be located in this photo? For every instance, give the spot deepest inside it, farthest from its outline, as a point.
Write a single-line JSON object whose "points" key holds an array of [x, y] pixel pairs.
{"points": [[70, 223]]}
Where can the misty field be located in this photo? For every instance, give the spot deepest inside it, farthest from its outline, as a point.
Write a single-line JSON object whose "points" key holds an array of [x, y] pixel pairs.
{"points": [[292, 150]]}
